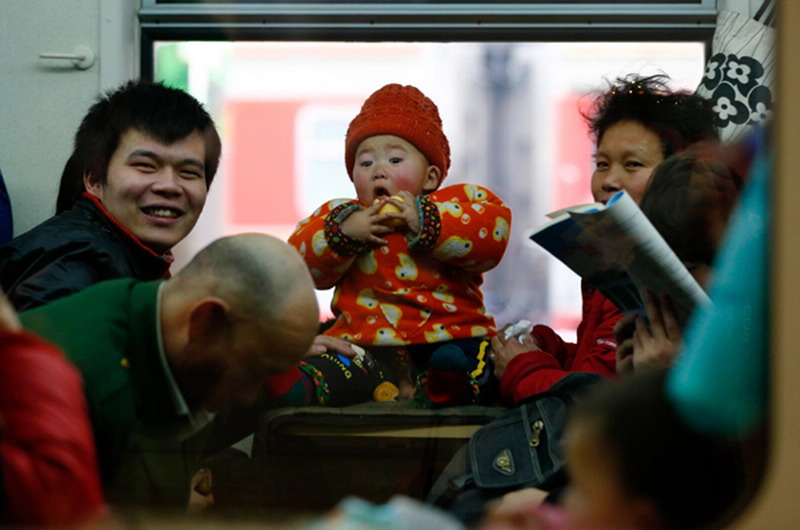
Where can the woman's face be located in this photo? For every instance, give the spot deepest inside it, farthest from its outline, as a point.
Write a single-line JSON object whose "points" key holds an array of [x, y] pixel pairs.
{"points": [[626, 155]]}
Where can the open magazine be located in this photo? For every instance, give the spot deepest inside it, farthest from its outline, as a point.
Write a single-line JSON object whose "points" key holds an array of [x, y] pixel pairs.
{"points": [[617, 250]]}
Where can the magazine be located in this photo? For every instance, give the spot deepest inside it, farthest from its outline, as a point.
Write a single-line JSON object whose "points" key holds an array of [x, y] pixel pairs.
{"points": [[616, 249]]}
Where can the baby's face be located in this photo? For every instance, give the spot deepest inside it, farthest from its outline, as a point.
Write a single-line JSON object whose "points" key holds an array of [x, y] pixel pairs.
{"points": [[596, 497], [387, 164]]}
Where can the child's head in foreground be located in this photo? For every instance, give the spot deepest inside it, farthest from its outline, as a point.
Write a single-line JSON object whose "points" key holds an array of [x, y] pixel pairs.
{"points": [[633, 464], [689, 199], [396, 143], [637, 123]]}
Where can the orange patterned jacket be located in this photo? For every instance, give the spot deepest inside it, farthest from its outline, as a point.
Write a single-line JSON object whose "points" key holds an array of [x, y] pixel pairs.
{"points": [[411, 291]]}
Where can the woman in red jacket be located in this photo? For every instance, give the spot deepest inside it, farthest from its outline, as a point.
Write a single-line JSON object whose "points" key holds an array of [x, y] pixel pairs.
{"points": [[637, 123]]}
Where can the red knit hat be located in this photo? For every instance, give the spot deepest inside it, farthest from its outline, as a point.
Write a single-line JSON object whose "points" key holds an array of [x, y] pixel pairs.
{"points": [[403, 111]]}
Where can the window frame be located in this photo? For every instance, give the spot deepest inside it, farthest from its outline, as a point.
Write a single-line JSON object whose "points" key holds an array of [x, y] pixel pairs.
{"points": [[478, 21]]}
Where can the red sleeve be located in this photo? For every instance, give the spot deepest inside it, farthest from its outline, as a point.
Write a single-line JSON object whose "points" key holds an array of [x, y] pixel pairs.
{"points": [[595, 351], [325, 265], [49, 461], [475, 225], [597, 345], [528, 374], [551, 342]]}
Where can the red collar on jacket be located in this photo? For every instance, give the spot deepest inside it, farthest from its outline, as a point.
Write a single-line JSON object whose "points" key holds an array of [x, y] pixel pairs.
{"points": [[168, 256]]}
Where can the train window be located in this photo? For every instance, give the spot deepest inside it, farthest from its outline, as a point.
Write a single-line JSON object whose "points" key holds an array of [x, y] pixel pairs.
{"points": [[283, 80], [512, 118]]}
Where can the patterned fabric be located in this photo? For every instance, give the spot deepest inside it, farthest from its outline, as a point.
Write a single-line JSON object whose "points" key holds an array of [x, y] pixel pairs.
{"points": [[340, 242], [322, 392], [403, 111], [739, 75], [394, 295], [762, 11], [431, 223]]}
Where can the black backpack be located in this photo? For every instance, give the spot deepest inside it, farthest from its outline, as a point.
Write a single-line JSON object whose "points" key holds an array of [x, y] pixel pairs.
{"points": [[520, 449]]}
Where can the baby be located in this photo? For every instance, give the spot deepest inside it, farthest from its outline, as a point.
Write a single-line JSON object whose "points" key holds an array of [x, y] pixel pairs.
{"points": [[406, 258]]}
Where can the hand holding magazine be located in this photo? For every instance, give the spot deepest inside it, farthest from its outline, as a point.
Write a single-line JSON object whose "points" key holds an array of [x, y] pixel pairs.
{"points": [[617, 250]]}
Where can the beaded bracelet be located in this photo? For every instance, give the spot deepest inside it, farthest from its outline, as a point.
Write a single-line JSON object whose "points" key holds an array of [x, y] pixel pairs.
{"points": [[430, 222], [338, 241]]}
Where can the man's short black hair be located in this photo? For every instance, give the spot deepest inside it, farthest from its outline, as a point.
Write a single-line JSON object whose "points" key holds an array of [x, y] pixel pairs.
{"points": [[167, 114], [678, 118]]}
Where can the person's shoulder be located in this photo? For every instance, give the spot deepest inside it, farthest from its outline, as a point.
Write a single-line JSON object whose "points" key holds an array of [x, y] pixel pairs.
{"points": [[66, 230], [35, 237], [92, 331], [50, 265], [80, 303], [112, 289]]}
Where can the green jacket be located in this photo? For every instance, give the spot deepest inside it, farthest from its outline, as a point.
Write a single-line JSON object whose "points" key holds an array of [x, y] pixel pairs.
{"points": [[109, 331]]}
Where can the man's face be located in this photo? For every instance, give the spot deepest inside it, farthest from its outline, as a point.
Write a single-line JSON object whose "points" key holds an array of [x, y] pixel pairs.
{"points": [[156, 191]]}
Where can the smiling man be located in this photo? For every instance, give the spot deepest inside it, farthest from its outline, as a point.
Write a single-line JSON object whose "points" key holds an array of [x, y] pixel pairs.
{"points": [[146, 155]]}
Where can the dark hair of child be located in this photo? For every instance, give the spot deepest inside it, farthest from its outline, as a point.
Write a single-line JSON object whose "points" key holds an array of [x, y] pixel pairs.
{"points": [[678, 118], [689, 199], [694, 480]]}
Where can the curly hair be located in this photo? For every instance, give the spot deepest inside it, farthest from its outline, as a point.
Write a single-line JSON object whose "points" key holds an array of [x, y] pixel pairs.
{"points": [[679, 118]]}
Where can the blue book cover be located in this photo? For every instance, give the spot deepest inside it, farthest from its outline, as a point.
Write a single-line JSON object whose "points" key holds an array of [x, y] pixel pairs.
{"points": [[616, 249]]}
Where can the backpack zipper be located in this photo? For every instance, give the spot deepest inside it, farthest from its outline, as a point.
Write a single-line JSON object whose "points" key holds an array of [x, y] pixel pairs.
{"points": [[536, 427]]}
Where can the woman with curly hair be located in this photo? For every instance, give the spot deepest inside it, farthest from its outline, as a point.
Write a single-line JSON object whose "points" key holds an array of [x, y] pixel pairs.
{"points": [[637, 122]]}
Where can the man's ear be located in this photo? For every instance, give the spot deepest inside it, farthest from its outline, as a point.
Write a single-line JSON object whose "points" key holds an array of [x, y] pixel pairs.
{"points": [[432, 177], [92, 185], [207, 316]]}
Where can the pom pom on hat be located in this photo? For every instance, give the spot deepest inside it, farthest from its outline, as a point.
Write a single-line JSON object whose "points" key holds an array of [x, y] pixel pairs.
{"points": [[403, 111]]}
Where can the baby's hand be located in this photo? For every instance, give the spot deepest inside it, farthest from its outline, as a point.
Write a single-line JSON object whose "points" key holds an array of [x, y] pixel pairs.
{"points": [[404, 213], [367, 225]]}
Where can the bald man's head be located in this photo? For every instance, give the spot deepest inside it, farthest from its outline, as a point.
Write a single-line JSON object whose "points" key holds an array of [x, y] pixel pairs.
{"points": [[256, 273], [242, 309]]}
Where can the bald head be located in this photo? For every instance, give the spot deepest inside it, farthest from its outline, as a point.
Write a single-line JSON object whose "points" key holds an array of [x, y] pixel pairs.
{"points": [[256, 273], [245, 308]]}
